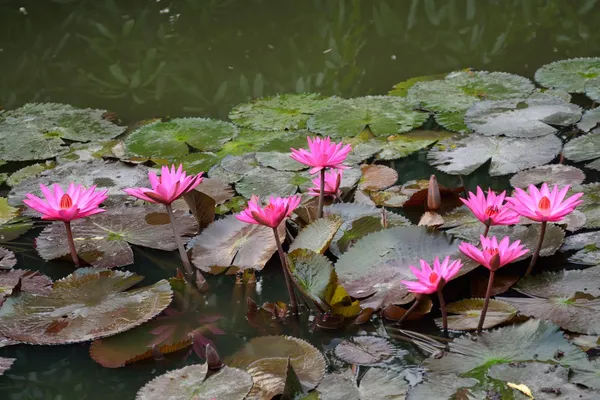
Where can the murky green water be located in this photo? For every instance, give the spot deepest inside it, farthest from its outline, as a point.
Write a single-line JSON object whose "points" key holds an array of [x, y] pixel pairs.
{"points": [[142, 58]]}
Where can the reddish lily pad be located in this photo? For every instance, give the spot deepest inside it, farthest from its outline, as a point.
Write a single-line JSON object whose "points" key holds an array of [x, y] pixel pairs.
{"points": [[7, 259], [103, 240], [86, 305], [377, 177], [31, 282]]}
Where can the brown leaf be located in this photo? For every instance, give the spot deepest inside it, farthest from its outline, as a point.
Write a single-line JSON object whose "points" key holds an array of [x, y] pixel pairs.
{"points": [[377, 177], [502, 283], [202, 207], [394, 313]]}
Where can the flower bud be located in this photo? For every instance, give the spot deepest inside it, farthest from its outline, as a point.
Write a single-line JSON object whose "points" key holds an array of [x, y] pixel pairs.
{"points": [[434, 198]]}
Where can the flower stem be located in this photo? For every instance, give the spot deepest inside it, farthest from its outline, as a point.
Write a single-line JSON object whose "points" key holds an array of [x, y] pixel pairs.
{"points": [[321, 194], [286, 273], [486, 302], [538, 247], [72, 244], [444, 312], [487, 229], [189, 272], [411, 309]]}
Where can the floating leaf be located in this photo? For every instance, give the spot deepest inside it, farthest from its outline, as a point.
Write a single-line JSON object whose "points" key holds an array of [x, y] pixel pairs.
{"points": [[7, 259], [524, 118], [379, 383], [464, 154], [14, 228], [392, 312], [219, 191], [539, 380], [281, 112], [377, 177], [584, 148], [36, 131], [172, 138], [292, 388], [86, 305], [592, 89], [400, 146], [103, 241], [562, 284], [339, 386], [437, 386], [30, 282], [591, 203], [552, 174], [382, 115], [202, 207], [195, 163], [467, 313], [318, 235], [279, 161], [113, 176], [266, 357], [229, 242], [588, 376], [588, 246], [401, 89], [569, 75], [573, 314], [29, 172], [590, 120], [365, 350], [5, 364], [313, 274], [191, 382], [264, 182], [533, 340]]}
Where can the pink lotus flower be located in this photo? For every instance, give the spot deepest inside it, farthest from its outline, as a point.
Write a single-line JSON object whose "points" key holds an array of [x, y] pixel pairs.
{"points": [[167, 187], [544, 205], [77, 202], [493, 255], [430, 281], [333, 179], [322, 153], [272, 214], [491, 210]]}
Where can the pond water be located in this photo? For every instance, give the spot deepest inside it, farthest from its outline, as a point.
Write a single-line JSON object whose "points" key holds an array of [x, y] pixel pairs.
{"points": [[152, 58]]}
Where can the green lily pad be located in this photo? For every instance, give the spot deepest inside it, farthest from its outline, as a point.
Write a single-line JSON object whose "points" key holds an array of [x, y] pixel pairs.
{"points": [[36, 131], [572, 314], [383, 115], [588, 246], [113, 176], [191, 382], [313, 274], [588, 375], [562, 284], [229, 242], [363, 149], [453, 121], [248, 141], [590, 120], [591, 203], [401, 146], [264, 182], [592, 89], [194, 163], [584, 148], [284, 141], [280, 112], [88, 304], [7, 259], [317, 235], [365, 350], [171, 139], [103, 240], [438, 386], [464, 154], [541, 378], [401, 89], [266, 359], [468, 311], [279, 161], [552, 174], [569, 75], [528, 235], [29, 172], [525, 118], [360, 228], [6, 211], [380, 383], [14, 228], [533, 340]]}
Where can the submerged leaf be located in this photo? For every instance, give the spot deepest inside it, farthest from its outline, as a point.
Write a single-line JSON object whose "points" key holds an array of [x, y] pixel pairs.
{"points": [[464, 154], [365, 350], [552, 174], [569, 75], [467, 313], [88, 304]]}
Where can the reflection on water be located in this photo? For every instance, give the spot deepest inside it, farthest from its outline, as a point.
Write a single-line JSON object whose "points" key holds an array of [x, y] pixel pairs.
{"points": [[144, 58]]}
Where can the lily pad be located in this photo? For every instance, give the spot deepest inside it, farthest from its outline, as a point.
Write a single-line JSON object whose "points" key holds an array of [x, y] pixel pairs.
{"points": [[541, 379], [191, 382], [29, 172], [318, 235], [382, 115], [588, 246], [219, 191], [437, 386], [14, 228], [562, 284], [365, 350], [229, 242], [264, 182], [5, 364], [525, 118], [86, 305], [591, 203], [379, 383], [533, 340], [401, 88], [313, 274], [36, 131], [339, 386], [103, 241], [400, 146], [279, 161], [569, 75], [584, 148], [172, 138], [552, 174], [588, 376], [31, 282], [7, 259], [266, 357], [377, 177], [590, 121], [194, 163], [572, 314], [592, 89], [464, 154], [280, 112], [467, 313], [113, 176]]}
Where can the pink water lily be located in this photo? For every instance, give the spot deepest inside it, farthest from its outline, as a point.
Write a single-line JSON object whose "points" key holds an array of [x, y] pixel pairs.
{"points": [[322, 153], [333, 179], [272, 214], [543, 204], [494, 255], [168, 187], [77, 202], [430, 280], [491, 209]]}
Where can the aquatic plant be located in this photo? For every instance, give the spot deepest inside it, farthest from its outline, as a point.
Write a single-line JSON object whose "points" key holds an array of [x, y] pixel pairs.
{"points": [[490, 209], [331, 188]]}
